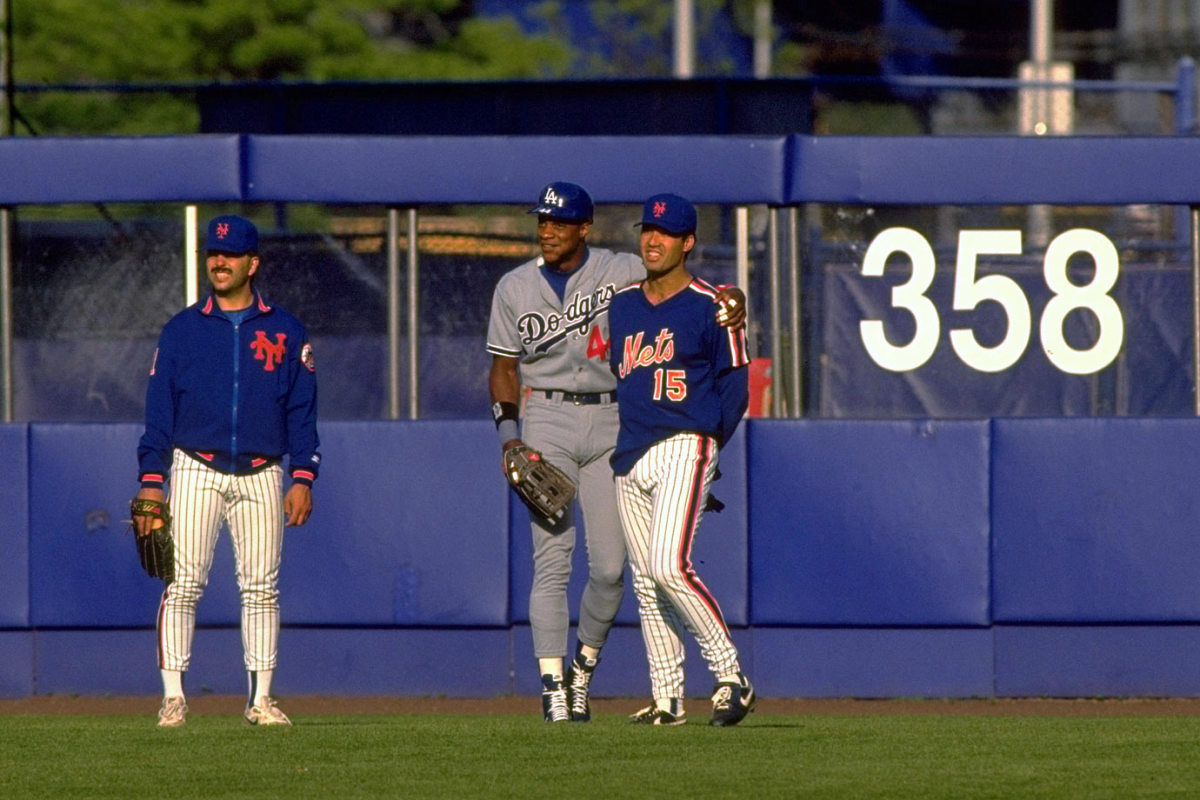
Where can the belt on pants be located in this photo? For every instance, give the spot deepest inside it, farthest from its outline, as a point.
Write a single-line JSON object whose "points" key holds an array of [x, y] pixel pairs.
{"points": [[592, 399]]}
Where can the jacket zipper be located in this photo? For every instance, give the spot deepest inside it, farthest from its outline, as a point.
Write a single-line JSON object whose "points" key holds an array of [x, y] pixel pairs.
{"points": [[237, 352]]}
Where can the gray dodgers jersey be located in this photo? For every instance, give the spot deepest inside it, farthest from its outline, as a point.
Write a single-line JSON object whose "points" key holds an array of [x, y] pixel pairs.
{"points": [[560, 345]]}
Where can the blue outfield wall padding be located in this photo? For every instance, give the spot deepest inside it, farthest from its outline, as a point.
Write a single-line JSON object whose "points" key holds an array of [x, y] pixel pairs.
{"points": [[125, 661], [83, 566], [14, 526], [1097, 660], [869, 522], [966, 170], [720, 555], [774, 170], [404, 170], [16, 663], [117, 169], [873, 662], [1094, 520], [409, 527], [407, 662]]}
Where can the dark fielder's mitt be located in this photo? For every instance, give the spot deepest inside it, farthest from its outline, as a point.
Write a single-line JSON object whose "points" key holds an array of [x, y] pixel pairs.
{"points": [[156, 550], [542, 486]]}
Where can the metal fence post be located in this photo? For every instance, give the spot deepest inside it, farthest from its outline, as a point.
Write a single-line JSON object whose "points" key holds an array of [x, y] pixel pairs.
{"points": [[414, 372], [777, 359], [1195, 214]]}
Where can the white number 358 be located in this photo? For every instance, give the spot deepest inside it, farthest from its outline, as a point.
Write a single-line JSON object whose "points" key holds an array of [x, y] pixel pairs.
{"points": [[970, 291]]}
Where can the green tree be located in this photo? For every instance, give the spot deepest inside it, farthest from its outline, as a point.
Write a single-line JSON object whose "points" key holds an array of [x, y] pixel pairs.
{"points": [[60, 43]]}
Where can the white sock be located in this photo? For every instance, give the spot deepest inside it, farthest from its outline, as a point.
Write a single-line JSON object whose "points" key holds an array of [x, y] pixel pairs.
{"points": [[172, 681], [551, 666], [666, 705], [260, 685], [590, 653]]}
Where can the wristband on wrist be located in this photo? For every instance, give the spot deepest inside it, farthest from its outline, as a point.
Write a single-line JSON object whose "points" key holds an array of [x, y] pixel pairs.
{"points": [[505, 411]]}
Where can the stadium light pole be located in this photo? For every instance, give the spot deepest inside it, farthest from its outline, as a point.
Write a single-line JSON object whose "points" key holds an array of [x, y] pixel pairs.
{"points": [[685, 39], [763, 39]]}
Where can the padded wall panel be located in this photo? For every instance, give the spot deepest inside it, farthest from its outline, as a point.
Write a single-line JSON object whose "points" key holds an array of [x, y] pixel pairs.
{"points": [[720, 554], [413, 662], [873, 662], [125, 661], [83, 570], [1097, 661], [14, 527], [399, 170], [409, 527], [117, 169], [869, 523], [962, 170], [16, 663], [1095, 520]]}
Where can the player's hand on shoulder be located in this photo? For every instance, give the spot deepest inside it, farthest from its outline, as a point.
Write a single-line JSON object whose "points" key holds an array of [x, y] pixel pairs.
{"points": [[731, 307]]}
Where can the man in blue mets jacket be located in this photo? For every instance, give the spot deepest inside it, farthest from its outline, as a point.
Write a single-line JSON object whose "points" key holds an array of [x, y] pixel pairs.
{"points": [[232, 392]]}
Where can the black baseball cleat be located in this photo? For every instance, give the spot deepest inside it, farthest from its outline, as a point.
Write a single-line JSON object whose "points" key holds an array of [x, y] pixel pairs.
{"points": [[732, 701], [554, 700], [578, 683], [653, 715]]}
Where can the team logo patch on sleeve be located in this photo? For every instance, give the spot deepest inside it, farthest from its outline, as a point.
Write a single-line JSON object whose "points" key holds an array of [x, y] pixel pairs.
{"points": [[307, 358]]}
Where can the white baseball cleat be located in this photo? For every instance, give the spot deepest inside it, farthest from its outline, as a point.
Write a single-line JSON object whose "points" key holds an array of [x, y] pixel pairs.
{"points": [[265, 712], [173, 712]]}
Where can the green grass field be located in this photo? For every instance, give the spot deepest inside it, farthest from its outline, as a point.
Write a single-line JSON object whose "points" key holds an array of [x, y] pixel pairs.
{"points": [[518, 756]]}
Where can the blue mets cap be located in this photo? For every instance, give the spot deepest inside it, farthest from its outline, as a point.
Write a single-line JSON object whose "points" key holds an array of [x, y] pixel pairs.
{"points": [[566, 201], [231, 234], [671, 213]]}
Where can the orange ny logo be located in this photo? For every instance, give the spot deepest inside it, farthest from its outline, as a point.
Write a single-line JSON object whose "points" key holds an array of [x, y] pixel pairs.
{"points": [[265, 351]]}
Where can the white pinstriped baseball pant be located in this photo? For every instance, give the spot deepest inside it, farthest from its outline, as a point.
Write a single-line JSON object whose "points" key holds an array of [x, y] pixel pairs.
{"points": [[661, 502], [201, 499]]}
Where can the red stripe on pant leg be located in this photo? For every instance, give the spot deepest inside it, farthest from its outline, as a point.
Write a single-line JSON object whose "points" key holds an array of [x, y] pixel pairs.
{"points": [[158, 624], [695, 507]]}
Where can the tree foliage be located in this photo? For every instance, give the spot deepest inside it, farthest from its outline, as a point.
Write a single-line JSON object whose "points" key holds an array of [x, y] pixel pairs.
{"points": [[58, 43]]}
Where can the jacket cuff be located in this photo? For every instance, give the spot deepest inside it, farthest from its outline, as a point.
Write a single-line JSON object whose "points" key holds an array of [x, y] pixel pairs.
{"points": [[303, 476], [152, 480]]}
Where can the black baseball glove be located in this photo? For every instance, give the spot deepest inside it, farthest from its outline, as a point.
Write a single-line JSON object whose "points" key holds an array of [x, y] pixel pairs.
{"points": [[542, 486], [156, 549]]}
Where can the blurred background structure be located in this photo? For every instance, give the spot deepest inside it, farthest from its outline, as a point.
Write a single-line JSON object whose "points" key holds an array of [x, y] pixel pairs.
{"points": [[78, 276]]}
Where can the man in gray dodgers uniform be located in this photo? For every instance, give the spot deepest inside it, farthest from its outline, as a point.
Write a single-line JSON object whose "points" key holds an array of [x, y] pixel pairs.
{"points": [[548, 331]]}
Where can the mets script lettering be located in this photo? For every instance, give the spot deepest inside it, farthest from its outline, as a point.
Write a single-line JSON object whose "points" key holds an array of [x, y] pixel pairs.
{"points": [[635, 355], [575, 318], [265, 350]]}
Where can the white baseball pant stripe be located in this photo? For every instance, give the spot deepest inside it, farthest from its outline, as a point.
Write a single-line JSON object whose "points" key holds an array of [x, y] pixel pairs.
{"points": [[661, 502], [201, 499]]}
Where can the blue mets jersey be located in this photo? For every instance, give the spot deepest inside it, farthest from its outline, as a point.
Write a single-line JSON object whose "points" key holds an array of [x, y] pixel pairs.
{"points": [[677, 369]]}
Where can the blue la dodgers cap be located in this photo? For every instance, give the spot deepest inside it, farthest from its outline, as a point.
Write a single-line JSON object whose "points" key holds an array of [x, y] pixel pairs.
{"points": [[230, 233], [569, 202], [670, 212]]}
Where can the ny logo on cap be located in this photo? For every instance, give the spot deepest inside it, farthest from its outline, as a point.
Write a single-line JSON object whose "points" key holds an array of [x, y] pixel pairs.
{"points": [[222, 230], [660, 208]]}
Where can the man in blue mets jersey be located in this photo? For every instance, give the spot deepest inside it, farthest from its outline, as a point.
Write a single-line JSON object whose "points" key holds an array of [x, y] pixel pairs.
{"points": [[548, 338], [681, 391]]}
